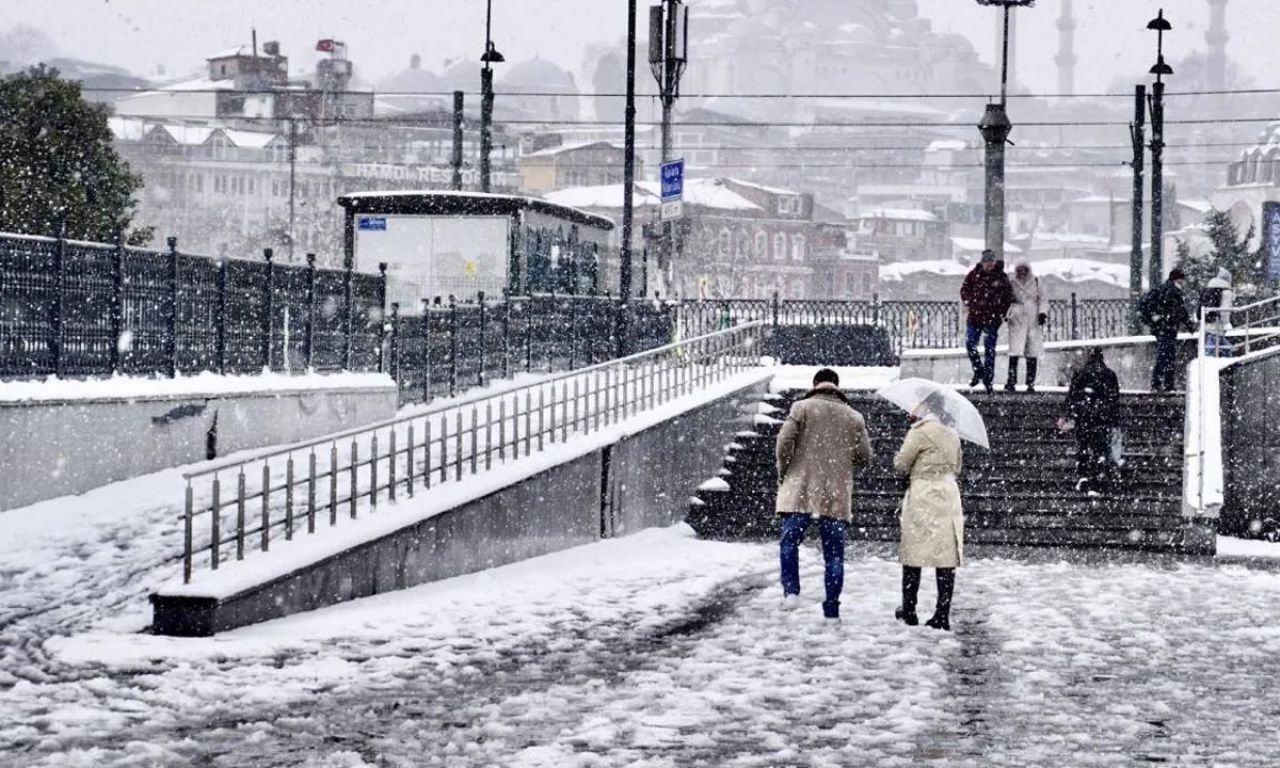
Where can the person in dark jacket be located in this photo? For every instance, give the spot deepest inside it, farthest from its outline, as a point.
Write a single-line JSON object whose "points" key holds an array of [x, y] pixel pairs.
{"points": [[1093, 406], [1164, 310], [986, 294]]}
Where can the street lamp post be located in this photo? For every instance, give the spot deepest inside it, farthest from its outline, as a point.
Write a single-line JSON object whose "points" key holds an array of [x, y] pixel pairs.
{"points": [[1156, 269], [622, 334], [995, 128], [491, 56]]}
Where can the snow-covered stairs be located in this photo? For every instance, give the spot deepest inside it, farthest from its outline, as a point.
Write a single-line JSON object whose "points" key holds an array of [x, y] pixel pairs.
{"points": [[1021, 492]]}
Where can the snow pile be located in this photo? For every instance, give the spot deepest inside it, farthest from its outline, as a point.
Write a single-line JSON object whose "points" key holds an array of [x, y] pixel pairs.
{"points": [[199, 385]]}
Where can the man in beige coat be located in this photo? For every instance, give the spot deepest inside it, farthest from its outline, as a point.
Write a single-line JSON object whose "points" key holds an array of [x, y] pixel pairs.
{"points": [[821, 442]]}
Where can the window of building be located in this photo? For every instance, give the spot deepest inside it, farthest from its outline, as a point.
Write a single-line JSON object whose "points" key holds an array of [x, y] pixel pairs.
{"points": [[726, 241], [744, 245], [850, 284], [780, 245], [762, 244], [797, 247]]}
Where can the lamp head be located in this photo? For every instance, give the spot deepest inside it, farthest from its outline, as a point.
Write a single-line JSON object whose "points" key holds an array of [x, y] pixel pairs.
{"points": [[1161, 68], [1159, 23], [491, 55]]}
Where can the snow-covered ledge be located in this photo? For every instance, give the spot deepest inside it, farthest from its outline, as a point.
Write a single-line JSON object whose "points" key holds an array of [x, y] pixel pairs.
{"points": [[1203, 488]]}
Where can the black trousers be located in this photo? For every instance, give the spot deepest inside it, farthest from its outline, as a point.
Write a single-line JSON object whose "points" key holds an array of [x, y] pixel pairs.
{"points": [[911, 587], [1093, 454], [1162, 374]]}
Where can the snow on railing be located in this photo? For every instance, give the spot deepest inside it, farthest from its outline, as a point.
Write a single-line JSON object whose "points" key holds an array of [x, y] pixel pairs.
{"points": [[281, 492]]}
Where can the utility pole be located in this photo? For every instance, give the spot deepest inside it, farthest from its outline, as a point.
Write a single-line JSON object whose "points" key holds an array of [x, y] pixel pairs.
{"points": [[1160, 25], [628, 185], [995, 129], [457, 140], [668, 55], [1137, 134], [293, 173], [491, 56]]}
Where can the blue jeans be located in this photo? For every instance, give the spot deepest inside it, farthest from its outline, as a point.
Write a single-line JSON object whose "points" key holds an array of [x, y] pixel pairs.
{"points": [[834, 533], [984, 367], [1217, 346]]}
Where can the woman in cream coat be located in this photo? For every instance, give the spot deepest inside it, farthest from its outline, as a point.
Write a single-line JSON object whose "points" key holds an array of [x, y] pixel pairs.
{"points": [[932, 521]]}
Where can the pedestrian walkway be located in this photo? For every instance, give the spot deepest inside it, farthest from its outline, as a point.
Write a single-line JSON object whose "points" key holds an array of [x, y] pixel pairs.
{"points": [[664, 650]]}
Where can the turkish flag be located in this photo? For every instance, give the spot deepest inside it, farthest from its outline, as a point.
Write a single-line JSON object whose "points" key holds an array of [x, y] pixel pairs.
{"points": [[325, 45]]}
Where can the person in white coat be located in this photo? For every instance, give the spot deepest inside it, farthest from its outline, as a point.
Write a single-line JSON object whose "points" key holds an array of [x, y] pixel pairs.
{"points": [[1027, 317], [1214, 297]]}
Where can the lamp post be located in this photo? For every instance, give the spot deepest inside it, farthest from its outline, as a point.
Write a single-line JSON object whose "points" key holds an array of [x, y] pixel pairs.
{"points": [[622, 334], [491, 56], [1156, 269], [995, 128]]}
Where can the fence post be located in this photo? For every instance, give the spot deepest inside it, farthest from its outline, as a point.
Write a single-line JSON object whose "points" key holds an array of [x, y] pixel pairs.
{"points": [[395, 345], [173, 308], [117, 301], [528, 334], [1075, 318], [875, 309], [776, 307], [382, 312], [426, 360], [59, 298], [506, 333], [268, 307], [453, 346], [483, 328], [220, 317], [573, 331], [308, 341], [348, 280]]}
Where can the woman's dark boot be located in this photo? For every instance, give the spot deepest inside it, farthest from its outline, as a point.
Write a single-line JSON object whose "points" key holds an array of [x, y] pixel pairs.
{"points": [[1012, 384], [1032, 365], [946, 586], [906, 613]]}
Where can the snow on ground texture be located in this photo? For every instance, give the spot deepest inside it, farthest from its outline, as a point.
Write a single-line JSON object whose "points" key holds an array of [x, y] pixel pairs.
{"points": [[662, 650]]}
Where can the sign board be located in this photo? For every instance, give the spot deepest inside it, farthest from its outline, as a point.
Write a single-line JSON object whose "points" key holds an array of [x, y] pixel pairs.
{"points": [[372, 223], [673, 180], [1271, 238], [672, 210], [429, 256]]}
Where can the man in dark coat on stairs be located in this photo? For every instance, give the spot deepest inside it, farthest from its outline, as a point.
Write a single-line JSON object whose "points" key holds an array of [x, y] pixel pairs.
{"points": [[987, 295], [820, 444], [1093, 406], [1164, 310]]}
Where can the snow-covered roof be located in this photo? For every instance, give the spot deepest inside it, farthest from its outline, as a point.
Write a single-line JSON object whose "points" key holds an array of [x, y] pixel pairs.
{"points": [[704, 193], [553, 151], [603, 196], [1066, 270], [900, 270], [947, 145], [1064, 238], [125, 129], [242, 50], [977, 245], [189, 135], [763, 188], [908, 214], [197, 84], [249, 139], [1201, 206]]}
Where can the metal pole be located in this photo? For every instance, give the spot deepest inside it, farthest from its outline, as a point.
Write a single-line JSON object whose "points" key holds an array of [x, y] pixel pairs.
{"points": [[458, 101], [1157, 183], [308, 342], [267, 308], [117, 303], [59, 299], [293, 171], [628, 182], [486, 102], [173, 308], [995, 128], [1004, 61], [1137, 132]]}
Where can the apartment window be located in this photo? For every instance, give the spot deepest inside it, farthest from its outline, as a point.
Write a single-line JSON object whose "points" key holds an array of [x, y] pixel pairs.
{"points": [[743, 244], [797, 247], [780, 245], [726, 241], [762, 245]]}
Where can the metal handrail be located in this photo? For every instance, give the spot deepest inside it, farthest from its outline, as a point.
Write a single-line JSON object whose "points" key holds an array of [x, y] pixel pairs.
{"points": [[295, 487], [460, 402]]}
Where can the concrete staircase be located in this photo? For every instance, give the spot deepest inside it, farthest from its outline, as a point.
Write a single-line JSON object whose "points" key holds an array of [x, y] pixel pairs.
{"points": [[1021, 492]]}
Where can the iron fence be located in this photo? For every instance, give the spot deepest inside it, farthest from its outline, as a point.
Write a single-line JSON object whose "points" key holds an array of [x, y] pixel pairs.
{"points": [[70, 308], [233, 507]]}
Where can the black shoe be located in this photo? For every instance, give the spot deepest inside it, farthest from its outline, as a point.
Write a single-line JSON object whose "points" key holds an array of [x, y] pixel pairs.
{"points": [[909, 619], [990, 389], [939, 622], [1031, 388], [976, 380], [1011, 387]]}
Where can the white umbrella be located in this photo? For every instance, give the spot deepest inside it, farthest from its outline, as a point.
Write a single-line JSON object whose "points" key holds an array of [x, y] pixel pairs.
{"points": [[921, 397]]}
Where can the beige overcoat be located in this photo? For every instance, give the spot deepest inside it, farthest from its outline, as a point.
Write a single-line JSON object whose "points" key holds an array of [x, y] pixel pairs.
{"points": [[1025, 335], [932, 520], [821, 442]]}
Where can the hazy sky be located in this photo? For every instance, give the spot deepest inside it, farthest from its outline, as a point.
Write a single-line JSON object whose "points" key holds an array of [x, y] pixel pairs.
{"points": [[141, 34]]}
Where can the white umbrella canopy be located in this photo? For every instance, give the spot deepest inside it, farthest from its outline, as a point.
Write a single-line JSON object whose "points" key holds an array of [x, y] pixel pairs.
{"points": [[921, 397]]}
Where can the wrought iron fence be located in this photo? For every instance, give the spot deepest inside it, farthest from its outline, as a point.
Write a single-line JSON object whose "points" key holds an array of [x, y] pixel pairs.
{"points": [[233, 507], [70, 308]]}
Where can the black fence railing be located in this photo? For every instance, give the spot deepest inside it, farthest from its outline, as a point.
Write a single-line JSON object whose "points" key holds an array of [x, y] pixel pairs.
{"points": [[72, 309]]}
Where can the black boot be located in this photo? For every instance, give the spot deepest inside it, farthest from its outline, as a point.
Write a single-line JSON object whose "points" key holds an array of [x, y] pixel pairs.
{"points": [[946, 586], [1032, 364], [1012, 384], [906, 613], [977, 378]]}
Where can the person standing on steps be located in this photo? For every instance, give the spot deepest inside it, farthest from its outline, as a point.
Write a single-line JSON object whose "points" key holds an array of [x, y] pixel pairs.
{"points": [[932, 520], [1164, 310], [1215, 297], [1027, 316], [1093, 411], [986, 295], [820, 444]]}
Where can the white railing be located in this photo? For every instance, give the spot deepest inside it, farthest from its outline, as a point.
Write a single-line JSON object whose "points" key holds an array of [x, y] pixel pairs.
{"points": [[240, 503]]}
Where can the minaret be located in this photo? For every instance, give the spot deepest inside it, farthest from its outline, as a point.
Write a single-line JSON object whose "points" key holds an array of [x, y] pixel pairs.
{"points": [[1217, 38], [1066, 58]]}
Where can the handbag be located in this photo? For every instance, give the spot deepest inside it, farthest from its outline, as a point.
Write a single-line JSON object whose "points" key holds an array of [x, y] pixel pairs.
{"points": [[1116, 446]]}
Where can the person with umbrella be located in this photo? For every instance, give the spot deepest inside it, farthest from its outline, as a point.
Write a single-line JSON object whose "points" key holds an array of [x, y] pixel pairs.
{"points": [[932, 520]]}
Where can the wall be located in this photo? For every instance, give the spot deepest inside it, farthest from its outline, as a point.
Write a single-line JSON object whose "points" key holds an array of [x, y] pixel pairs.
{"points": [[637, 482], [67, 447], [1131, 358], [1251, 448]]}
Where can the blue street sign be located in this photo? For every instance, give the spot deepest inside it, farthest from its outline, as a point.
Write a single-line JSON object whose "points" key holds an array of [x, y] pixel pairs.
{"points": [[673, 180], [372, 223]]}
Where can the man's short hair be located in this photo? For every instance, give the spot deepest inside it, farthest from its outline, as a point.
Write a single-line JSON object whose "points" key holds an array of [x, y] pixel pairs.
{"points": [[826, 376]]}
